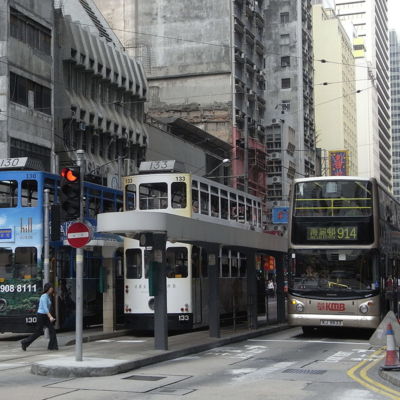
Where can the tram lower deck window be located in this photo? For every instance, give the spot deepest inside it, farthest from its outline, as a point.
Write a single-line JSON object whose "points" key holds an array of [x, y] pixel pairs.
{"points": [[133, 263], [8, 194]]}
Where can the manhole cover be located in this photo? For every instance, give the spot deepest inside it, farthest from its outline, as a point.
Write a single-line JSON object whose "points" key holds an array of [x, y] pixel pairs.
{"points": [[144, 378], [304, 371]]}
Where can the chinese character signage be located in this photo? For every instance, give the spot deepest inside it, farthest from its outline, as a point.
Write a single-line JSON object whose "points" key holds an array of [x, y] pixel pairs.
{"points": [[332, 233], [338, 162], [280, 215]]}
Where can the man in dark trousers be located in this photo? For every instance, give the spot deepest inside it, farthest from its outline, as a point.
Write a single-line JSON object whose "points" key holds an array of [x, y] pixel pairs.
{"points": [[44, 319]]}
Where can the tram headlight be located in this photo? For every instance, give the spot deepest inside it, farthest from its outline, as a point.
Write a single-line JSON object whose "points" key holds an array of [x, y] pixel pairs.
{"points": [[363, 308], [151, 304]]}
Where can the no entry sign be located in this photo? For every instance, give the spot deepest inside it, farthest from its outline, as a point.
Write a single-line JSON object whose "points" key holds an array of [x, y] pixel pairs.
{"points": [[78, 235]]}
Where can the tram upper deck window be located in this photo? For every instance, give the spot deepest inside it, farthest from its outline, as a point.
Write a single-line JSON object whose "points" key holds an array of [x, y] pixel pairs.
{"points": [[130, 197], [8, 194], [241, 214], [6, 264], [224, 204], [93, 202], [204, 199], [25, 266], [133, 263], [29, 194], [108, 202], [333, 198], [195, 197], [233, 208], [153, 196], [177, 262], [214, 202], [178, 194]]}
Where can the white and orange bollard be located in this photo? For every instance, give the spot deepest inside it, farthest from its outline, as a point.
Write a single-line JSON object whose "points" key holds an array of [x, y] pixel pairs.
{"points": [[392, 356]]}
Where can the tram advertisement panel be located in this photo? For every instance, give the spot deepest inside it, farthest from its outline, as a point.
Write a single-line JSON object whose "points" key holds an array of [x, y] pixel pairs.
{"points": [[21, 236]]}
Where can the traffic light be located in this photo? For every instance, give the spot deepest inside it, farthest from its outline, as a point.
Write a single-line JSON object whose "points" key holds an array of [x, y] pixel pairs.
{"points": [[70, 194]]}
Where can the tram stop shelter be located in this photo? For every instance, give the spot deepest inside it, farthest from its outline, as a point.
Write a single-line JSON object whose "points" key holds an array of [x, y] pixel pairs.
{"points": [[173, 228]]}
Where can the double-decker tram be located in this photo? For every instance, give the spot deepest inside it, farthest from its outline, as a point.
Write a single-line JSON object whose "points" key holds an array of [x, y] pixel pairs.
{"points": [[344, 253], [22, 251], [201, 199]]}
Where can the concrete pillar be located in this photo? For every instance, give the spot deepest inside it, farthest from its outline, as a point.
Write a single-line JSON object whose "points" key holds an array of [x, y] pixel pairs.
{"points": [[213, 292], [109, 307], [160, 299], [251, 289], [280, 286]]}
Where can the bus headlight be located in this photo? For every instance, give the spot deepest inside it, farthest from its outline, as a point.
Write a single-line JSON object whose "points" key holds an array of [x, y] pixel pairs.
{"points": [[363, 308], [299, 307]]}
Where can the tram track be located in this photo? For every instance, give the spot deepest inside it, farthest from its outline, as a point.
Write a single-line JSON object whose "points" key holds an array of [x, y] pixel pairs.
{"points": [[360, 374]]}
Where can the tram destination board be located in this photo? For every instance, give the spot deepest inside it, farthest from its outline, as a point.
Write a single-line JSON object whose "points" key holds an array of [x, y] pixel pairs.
{"points": [[78, 235]]}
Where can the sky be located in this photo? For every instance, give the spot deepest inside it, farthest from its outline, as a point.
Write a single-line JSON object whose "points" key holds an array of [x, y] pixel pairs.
{"points": [[394, 15]]}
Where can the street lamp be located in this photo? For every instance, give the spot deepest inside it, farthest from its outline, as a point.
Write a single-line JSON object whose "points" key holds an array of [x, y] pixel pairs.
{"points": [[225, 162]]}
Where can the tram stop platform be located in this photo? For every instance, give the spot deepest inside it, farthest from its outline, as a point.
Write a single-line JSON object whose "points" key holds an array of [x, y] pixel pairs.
{"points": [[112, 353]]}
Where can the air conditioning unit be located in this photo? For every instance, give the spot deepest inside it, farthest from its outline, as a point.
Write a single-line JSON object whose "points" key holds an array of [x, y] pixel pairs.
{"points": [[251, 92], [242, 56], [251, 7], [275, 156], [276, 179], [82, 126]]}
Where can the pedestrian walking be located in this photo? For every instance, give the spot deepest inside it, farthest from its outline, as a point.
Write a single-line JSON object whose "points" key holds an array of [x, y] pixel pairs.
{"points": [[44, 319]]}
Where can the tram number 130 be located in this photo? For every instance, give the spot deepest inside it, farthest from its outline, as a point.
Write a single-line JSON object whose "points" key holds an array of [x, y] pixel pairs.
{"points": [[31, 320]]}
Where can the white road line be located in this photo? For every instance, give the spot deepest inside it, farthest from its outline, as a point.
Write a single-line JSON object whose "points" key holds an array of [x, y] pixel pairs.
{"points": [[307, 341]]}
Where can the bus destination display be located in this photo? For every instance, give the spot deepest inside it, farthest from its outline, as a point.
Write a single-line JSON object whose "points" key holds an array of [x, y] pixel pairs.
{"points": [[332, 233]]}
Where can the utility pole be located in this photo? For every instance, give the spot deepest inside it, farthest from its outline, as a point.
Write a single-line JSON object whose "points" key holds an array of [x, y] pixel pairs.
{"points": [[80, 155]]}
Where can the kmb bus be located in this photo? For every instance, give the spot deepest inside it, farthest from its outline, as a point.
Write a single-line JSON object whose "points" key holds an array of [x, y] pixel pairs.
{"points": [[344, 253]]}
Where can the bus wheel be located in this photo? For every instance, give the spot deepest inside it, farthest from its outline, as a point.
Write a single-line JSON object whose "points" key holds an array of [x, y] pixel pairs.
{"points": [[308, 330]]}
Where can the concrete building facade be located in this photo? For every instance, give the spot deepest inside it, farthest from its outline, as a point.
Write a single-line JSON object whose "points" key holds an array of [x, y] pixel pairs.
{"points": [[335, 88], [289, 96], [204, 63], [26, 71], [371, 49], [100, 94], [395, 107], [68, 84]]}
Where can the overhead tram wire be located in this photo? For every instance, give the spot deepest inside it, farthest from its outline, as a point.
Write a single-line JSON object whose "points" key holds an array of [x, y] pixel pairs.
{"points": [[227, 46]]}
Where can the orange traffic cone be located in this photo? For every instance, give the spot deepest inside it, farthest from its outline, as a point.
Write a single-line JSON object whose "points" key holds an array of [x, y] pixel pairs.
{"points": [[392, 357]]}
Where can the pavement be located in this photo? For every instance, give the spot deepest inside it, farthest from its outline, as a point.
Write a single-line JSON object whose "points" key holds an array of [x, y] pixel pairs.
{"points": [[139, 353]]}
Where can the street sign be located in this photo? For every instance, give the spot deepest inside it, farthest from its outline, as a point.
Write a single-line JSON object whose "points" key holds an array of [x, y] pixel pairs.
{"points": [[78, 235]]}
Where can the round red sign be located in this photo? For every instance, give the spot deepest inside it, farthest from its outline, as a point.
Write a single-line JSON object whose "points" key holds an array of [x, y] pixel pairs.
{"points": [[78, 235]]}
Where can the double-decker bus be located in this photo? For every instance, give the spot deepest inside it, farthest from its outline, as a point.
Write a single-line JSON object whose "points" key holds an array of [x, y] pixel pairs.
{"points": [[22, 251], [344, 253]]}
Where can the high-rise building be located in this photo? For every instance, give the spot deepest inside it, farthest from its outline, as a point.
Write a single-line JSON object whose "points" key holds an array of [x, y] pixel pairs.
{"points": [[289, 95], [204, 63], [395, 103], [334, 89], [371, 49]]}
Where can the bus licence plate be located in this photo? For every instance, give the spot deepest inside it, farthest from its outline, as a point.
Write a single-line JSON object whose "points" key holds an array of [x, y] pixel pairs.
{"points": [[328, 322]]}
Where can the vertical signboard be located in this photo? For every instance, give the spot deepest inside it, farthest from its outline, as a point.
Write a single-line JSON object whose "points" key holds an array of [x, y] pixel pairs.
{"points": [[338, 163]]}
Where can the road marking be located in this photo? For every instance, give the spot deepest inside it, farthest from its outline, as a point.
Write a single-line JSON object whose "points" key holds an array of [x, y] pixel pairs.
{"points": [[362, 368], [307, 341]]}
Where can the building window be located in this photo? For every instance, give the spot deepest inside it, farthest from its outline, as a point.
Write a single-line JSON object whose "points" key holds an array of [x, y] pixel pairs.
{"points": [[285, 83], [285, 61], [284, 17], [285, 39], [285, 104], [30, 32], [28, 93], [41, 155]]}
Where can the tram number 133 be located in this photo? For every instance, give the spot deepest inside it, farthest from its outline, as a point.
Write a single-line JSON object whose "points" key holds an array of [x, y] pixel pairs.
{"points": [[183, 318]]}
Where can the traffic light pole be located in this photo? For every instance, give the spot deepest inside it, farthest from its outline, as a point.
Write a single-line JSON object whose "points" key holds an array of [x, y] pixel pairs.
{"points": [[80, 154]]}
